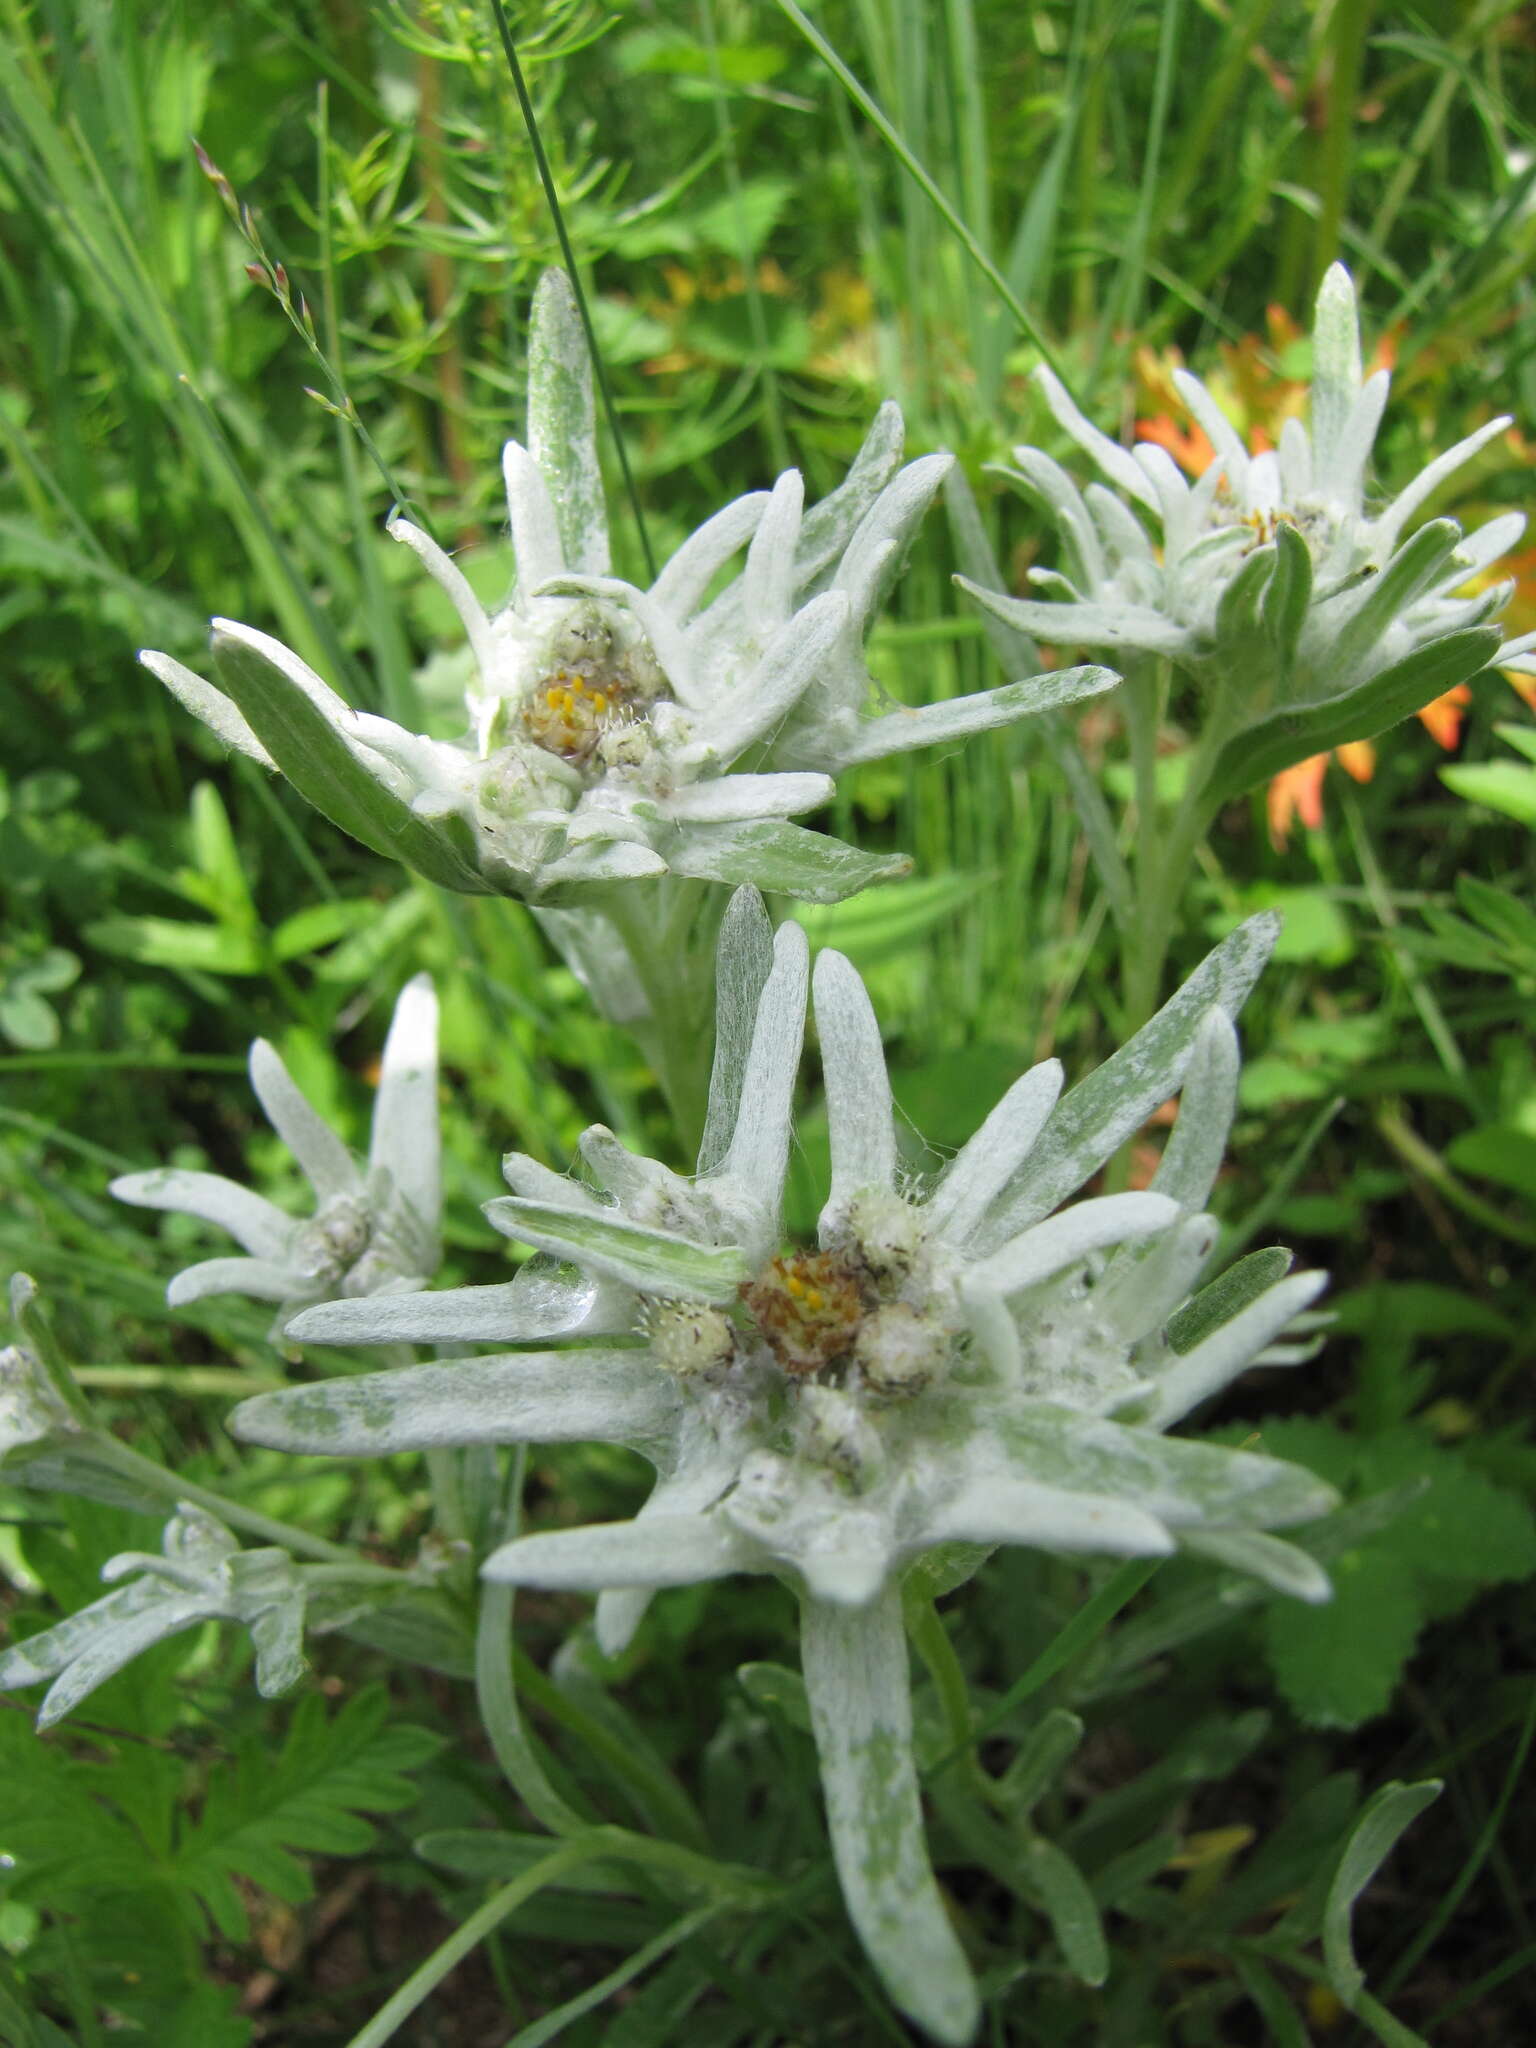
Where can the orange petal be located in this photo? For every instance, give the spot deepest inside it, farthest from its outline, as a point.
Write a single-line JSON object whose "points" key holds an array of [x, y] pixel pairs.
{"points": [[1357, 758], [1441, 716], [1296, 791]]}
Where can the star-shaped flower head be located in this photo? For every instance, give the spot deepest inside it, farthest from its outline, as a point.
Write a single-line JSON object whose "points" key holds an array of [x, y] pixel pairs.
{"points": [[1308, 618], [203, 1575], [375, 1225], [964, 1362], [614, 732]]}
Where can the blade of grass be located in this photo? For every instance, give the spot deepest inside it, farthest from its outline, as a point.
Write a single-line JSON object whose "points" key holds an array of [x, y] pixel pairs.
{"points": [[557, 215], [942, 205]]}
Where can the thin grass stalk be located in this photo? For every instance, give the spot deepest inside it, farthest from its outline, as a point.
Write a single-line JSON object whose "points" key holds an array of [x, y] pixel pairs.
{"points": [[1348, 30], [920, 176], [568, 255]]}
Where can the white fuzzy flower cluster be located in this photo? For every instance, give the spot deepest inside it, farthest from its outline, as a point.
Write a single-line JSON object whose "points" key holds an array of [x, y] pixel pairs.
{"points": [[1270, 578], [962, 1363], [617, 733], [375, 1225], [202, 1575]]}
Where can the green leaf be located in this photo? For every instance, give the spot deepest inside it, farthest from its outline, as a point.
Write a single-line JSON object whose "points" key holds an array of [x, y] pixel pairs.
{"points": [[492, 1856], [1463, 1526], [321, 924], [654, 1261], [1275, 2009], [262, 1812], [322, 767], [1061, 1891], [1042, 1754], [779, 1690], [782, 859], [1339, 1664], [387, 932], [169, 942], [1237, 614], [1288, 595], [1504, 786], [1497, 1152], [1390, 1810], [1510, 921], [218, 857], [873, 928], [1227, 1295], [27, 1020], [1297, 731]]}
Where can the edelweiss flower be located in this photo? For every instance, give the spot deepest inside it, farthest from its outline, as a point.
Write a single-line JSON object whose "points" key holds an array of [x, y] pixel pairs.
{"points": [[618, 733], [961, 1363], [203, 1575], [1268, 579], [375, 1226]]}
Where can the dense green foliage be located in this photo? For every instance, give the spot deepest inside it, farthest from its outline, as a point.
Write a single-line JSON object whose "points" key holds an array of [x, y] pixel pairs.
{"points": [[1198, 1777]]}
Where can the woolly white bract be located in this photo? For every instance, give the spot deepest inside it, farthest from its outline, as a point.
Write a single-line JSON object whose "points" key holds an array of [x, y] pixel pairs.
{"points": [[203, 1575], [375, 1225], [1310, 617], [962, 1364], [618, 733]]}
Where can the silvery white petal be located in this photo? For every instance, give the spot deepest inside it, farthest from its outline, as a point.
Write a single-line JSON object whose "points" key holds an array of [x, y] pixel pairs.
{"points": [[1296, 462], [859, 1108], [451, 580], [1144, 1283], [498, 1314], [1278, 1563], [537, 1183], [1101, 1112], [406, 1145], [1480, 549], [789, 664], [118, 1644], [953, 718], [768, 582], [744, 961], [535, 533], [1335, 366], [257, 1223], [210, 705], [259, 1279], [1219, 431], [876, 550], [1046, 1248], [704, 1467], [562, 424], [758, 1157], [47, 1653], [667, 1550], [826, 528], [998, 1509], [1116, 462], [682, 585], [725, 799], [1340, 474], [1389, 525], [1048, 481], [326, 1162], [984, 1164], [1207, 1104], [527, 1397]]}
